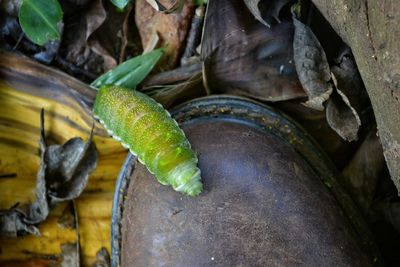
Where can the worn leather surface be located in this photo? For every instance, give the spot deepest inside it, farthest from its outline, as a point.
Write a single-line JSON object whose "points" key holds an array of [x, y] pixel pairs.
{"points": [[262, 205]]}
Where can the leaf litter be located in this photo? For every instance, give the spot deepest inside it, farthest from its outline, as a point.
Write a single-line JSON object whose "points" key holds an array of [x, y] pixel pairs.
{"points": [[271, 8], [63, 174], [242, 57], [311, 65]]}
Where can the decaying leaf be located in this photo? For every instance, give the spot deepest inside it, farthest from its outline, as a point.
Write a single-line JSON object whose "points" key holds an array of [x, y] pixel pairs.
{"points": [[243, 57], [12, 223], [311, 65], [175, 86], [193, 40], [171, 29], [252, 5], [70, 255], [176, 6], [343, 114], [272, 9], [70, 252], [103, 258], [342, 118], [49, 52], [79, 27], [111, 38], [62, 175], [68, 218]]}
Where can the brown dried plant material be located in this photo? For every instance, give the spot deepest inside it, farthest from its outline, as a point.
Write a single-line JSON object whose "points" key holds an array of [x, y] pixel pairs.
{"points": [[243, 57], [70, 255], [111, 38], [171, 29], [252, 5], [63, 174], [272, 10], [70, 252], [311, 65], [103, 258], [341, 118], [175, 7], [345, 119], [75, 49], [176, 86]]}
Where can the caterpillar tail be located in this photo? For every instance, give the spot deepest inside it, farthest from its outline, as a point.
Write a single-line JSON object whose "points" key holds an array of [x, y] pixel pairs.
{"points": [[192, 185]]}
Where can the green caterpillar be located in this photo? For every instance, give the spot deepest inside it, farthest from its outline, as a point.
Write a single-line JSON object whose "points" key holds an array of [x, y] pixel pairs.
{"points": [[148, 131]]}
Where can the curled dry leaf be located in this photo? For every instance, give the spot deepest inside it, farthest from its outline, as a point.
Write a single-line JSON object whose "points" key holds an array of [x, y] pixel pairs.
{"points": [[190, 54], [272, 9], [62, 175], [111, 38], [70, 255], [96, 39], [171, 29], [240, 56], [311, 65], [341, 117], [175, 86], [78, 28], [343, 114], [103, 258], [70, 252], [252, 5], [176, 6]]}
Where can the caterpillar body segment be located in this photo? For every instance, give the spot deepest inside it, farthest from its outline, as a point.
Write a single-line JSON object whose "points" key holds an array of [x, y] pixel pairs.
{"points": [[144, 127]]}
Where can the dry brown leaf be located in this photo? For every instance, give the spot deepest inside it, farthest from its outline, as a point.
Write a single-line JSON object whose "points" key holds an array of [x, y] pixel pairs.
{"points": [[111, 38], [311, 65], [103, 258], [171, 29], [174, 7], [252, 5], [79, 27], [269, 11], [343, 112], [62, 175], [342, 118], [175, 86], [243, 57]]}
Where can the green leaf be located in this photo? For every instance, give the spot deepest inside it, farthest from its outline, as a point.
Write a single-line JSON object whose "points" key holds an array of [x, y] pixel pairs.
{"points": [[40, 20], [121, 4], [130, 73], [200, 2]]}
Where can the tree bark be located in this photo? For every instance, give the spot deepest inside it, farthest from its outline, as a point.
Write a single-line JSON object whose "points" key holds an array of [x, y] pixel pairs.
{"points": [[372, 29]]}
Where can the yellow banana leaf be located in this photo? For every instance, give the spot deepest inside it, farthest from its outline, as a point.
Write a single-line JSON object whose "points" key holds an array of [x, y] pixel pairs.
{"points": [[25, 88]]}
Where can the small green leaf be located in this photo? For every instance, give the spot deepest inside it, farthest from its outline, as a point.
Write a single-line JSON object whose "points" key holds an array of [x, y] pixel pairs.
{"points": [[200, 2], [130, 73], [121, 4], [40, 20]]}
